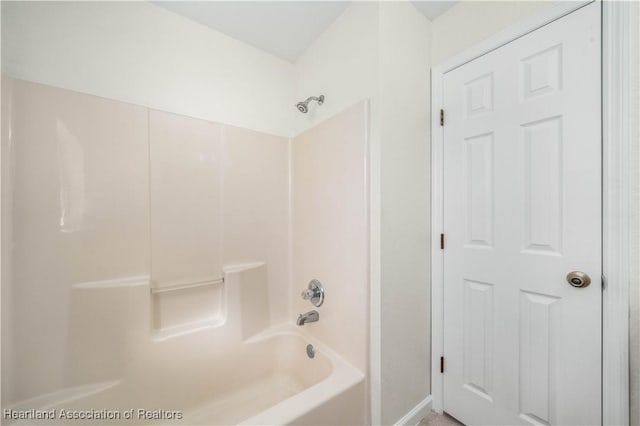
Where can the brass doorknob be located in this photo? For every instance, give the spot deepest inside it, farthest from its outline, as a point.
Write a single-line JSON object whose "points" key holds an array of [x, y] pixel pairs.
{"points": [[578, 279]]}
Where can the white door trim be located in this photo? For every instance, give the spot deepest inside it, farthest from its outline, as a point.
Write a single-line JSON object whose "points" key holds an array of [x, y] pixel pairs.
{"points": [[616, 103], [616, 208]]}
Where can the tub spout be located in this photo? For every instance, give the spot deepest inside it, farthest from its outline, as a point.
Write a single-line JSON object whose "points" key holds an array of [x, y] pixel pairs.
{"points": [[311, 316]]}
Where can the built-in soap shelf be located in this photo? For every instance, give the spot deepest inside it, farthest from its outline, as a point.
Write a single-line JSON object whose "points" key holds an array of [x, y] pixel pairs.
{"points": [[124, 282], [185, 286], [186, 307], [239, 300], [188, 328]]}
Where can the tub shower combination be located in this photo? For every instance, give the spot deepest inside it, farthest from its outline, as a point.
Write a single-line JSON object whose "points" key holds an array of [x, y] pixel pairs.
{"points": [[259, 378], [147, 276]]}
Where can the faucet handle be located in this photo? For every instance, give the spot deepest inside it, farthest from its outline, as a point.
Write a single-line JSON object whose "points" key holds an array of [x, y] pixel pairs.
{"points": [[314, 293]]}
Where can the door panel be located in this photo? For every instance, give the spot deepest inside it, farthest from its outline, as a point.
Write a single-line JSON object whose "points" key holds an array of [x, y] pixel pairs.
{"points": [[522, 208]]}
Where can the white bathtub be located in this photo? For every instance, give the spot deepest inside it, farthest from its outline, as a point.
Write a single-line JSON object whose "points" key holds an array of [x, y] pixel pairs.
{"points": [[232, 368], [267, 380]]}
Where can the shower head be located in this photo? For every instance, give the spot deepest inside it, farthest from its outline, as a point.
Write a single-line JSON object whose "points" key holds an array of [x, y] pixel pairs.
{"points": [[303, 107]]}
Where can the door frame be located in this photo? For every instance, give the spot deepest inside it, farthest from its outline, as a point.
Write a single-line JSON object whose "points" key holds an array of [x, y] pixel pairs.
{"points": [[616, 192]]}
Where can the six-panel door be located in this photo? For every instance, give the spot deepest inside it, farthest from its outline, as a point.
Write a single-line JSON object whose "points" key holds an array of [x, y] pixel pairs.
{"points": [[523, 209]]}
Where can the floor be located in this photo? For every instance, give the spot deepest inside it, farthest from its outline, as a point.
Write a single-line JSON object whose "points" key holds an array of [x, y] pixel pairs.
{"points": [[435, 419]]}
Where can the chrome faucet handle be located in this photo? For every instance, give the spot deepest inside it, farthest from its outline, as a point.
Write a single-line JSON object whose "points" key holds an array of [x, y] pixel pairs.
{"points": [[314, 293]]}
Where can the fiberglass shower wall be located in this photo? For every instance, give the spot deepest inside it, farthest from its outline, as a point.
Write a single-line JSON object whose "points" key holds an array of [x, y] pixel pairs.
{"points": [[219, 196], [101, 197]]}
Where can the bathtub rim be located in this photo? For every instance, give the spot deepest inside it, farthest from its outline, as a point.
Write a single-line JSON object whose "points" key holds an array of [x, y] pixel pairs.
{"points": [[343, 376]]}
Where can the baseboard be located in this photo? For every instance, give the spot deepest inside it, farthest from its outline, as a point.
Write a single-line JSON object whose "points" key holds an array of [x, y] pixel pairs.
{"points": [[417, 413]]}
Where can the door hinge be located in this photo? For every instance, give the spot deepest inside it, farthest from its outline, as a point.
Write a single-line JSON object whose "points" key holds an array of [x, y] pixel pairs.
{"points": [[441, 241], [442, 364], [442, 117]]}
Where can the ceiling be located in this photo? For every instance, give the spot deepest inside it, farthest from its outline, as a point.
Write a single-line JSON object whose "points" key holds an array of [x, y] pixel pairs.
{"points": [[283, 28], [433, 9]]}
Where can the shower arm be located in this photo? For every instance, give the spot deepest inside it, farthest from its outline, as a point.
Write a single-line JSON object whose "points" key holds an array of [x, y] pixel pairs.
{"points": [[319, 99]]}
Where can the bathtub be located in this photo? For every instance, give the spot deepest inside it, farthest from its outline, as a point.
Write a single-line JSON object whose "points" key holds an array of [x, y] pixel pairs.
{"points": [[266, 380], [232, 367]]}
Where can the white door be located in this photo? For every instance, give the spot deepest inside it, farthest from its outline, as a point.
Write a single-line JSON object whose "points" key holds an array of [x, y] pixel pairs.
{"points": [[522, 209]]}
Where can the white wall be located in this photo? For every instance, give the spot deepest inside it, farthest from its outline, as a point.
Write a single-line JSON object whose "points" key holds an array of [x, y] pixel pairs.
{"points": [[635, 272], [342, 64], [470, 22], [140, 53], [380, 51], [5, 236], [5, 312], [405, 145]]}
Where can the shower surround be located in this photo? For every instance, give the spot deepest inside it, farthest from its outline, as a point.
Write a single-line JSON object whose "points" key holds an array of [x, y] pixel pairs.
{"points": [[155, 261]]}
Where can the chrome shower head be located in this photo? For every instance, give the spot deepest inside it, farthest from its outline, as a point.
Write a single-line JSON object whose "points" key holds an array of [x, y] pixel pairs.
{"points": [[303, 107]]}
